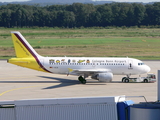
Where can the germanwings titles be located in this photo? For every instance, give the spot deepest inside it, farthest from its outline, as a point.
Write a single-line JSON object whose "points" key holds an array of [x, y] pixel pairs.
{"points": [[99, 68]]}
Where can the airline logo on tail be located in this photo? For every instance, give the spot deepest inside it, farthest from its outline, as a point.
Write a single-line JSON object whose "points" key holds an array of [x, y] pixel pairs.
{"points": [[21, 48], [26, 56]]}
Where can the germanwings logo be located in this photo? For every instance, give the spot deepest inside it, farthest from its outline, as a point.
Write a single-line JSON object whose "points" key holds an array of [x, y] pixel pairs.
{"points": [[31, 52]]}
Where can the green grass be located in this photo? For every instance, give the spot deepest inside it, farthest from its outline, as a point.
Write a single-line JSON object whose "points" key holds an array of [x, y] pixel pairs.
{"points": [[132, 42]]}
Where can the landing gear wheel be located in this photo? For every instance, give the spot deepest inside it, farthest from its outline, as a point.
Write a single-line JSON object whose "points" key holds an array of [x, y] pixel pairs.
{"points": [[123, 79], [82, 80], [126, 80]]}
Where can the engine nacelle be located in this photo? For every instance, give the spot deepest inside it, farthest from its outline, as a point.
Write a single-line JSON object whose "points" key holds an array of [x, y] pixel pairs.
{"points": [[103, 77]]}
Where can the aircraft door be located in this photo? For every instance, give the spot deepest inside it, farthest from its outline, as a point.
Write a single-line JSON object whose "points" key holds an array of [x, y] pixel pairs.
{"points": [[130, 64]]}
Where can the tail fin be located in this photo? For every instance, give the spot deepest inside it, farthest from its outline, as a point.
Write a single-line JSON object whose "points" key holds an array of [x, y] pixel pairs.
{"points": [[22, 48], [26, 56]]}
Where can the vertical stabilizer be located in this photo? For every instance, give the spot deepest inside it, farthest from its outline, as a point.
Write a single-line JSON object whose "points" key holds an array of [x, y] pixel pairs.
{"points": [[22, 48], [26, 56]]}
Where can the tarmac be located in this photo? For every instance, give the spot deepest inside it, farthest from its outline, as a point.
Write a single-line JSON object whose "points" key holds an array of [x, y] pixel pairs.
{"points": [[18, 83]]}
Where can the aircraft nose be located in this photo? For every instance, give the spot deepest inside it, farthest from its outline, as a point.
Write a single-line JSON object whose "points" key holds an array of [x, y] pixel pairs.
{"points": [[147, 69]]}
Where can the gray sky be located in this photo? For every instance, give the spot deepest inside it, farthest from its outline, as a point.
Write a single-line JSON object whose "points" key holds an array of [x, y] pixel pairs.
{"points": [[145, 1]]}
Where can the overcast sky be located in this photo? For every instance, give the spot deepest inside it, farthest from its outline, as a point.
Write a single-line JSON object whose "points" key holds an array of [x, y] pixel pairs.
{"points": [[145, 1]]}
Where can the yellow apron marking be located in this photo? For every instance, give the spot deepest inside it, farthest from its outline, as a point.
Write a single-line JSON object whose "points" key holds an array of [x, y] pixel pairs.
{"points": [[13, 77], [19, 89]]}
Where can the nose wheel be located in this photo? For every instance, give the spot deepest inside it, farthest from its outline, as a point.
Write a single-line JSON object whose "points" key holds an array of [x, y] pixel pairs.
{"points": [[82, 80]]}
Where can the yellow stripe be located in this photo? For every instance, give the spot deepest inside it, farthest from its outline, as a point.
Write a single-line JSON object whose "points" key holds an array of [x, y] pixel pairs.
{"points": [[16, 77], [18, 89]]}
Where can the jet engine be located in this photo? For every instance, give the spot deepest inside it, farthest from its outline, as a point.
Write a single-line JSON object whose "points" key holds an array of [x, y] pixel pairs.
{"points": [[103, 77]]}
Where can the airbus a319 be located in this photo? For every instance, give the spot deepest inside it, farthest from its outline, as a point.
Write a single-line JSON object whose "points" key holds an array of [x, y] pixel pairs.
{"points": [[99, 68]]}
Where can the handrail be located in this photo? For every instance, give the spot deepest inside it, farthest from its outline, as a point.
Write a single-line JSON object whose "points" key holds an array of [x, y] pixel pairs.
{"points": [[132, 97]]}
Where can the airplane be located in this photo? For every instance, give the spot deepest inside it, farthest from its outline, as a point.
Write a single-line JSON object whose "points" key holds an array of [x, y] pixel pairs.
{"points": [[99, 68]]}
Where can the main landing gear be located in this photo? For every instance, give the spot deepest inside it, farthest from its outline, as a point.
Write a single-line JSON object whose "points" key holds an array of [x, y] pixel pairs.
{"points": [[125, 79], [82, 80]]}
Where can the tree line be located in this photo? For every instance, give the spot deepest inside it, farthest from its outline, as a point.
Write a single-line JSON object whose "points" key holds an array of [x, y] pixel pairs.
{"points": [[80, 15]]}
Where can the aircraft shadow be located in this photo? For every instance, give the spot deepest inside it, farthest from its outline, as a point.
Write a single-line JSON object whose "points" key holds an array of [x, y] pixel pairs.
{"points": [[29, 82], [63, 82], [116, 82], [66, 82]]}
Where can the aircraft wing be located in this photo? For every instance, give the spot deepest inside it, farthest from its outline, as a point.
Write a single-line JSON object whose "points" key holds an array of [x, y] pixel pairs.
{"points": [[88, 71]]}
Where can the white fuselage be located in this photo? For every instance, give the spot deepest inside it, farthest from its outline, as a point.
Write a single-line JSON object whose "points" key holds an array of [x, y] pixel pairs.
{"points": [[118, 66]]}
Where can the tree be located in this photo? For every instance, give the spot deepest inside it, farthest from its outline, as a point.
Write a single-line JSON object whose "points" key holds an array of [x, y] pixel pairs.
{"points": [[68, 19], [6, 18], [95, 19], [139, 13], [78, 14], [156, 13], [106, 14], [82, 13]]}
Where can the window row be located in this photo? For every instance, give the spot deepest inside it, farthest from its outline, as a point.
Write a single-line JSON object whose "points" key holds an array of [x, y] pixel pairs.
{"points": [[87, 64]]}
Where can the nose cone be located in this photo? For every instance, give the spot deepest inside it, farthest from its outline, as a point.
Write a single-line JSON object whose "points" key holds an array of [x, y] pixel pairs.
{"points": [[147, 69]]}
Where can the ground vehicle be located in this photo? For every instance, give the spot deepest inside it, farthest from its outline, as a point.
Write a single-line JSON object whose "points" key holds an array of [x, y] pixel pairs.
{"points": [[150, 78]]}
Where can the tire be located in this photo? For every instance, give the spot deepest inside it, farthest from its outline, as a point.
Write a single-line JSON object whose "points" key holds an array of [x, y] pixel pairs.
{"points": [[80, 78], [145, 81], [123, 79], [126, 80], [83, 82]]}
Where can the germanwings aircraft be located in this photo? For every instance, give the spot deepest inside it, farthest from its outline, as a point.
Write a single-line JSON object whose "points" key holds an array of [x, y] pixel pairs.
{"points": [[99, 68]]}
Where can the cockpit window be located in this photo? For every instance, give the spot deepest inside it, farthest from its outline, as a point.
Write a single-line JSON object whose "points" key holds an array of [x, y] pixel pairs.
{"points": [[140, 63]]}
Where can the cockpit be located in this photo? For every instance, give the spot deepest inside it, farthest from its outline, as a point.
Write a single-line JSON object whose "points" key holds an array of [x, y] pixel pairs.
{"points": [[141, 64], [143, 67]]}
